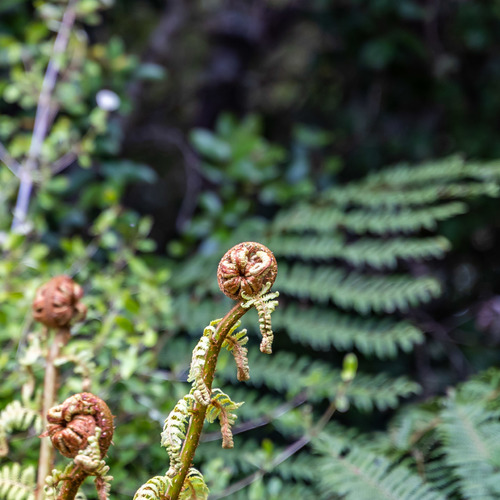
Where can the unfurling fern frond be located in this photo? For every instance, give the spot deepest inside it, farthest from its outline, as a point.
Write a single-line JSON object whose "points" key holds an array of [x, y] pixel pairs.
{"points": [[360, 474], [200, 389], [154, 489], [235, 343], [194, 487], [222, 407], [17, 483], [265, 305], [16, 417], [174, 432]]}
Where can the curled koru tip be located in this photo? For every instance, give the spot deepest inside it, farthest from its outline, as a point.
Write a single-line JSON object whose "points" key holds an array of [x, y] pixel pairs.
{"points": [[246, 268], [57, 303], [74, 421]]}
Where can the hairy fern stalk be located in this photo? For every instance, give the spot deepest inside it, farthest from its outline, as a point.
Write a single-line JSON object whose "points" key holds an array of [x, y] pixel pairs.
{"points": [[246, 274]]}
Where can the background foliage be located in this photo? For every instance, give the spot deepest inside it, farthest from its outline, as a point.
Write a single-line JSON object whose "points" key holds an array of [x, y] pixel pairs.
{"points": [[270, 121]]}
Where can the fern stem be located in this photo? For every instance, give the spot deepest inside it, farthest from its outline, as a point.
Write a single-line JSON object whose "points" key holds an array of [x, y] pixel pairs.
{"points": [[198, 416], [50, 384], [71, 483]]}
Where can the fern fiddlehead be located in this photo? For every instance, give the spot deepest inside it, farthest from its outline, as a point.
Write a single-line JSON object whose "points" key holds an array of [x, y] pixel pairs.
{"points": [[56, 306], [80, 428], [245, 273], [57, 303]]}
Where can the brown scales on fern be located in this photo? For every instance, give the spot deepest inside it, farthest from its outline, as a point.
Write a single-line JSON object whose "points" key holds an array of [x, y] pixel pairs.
{"points": [[57, 303], [80, 428], [74, 421], [246, 268]]}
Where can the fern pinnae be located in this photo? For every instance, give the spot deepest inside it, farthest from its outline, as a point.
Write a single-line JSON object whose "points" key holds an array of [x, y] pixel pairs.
{"points": [[360, 474], [154, 489], [470, 434], [235, 344], [194, 487], [174, 432], [200, 389], [222, 407], [265, 304], [17, 482], [16, 417]]}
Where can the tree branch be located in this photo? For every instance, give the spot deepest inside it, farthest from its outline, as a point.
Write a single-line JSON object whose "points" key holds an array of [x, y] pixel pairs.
{"points": [[42, 116]]}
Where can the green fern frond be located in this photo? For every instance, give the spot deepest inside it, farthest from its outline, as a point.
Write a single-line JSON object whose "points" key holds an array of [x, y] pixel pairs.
{"points": [[374, 252], [359, 474], [381, 391], [16, 417], [17, 483], [322, 328], [200, 390], [327, 219], [319, 381], [398, 195], [174, 432], [235, 343], [154, 489], [471, 443], [362, 292], [194, 487], [223, 408], [446, 170]]}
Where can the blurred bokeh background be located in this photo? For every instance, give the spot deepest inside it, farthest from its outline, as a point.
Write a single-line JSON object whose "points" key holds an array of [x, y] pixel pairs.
{"points": [[163, 131]]}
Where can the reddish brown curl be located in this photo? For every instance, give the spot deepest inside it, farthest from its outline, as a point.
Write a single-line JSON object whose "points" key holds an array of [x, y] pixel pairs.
{"points": [[75, 420], [246, 268], [57, 303]]}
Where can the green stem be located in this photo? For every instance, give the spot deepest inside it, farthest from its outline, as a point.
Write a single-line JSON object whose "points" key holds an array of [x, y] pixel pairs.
{"points": [[198, 415]]}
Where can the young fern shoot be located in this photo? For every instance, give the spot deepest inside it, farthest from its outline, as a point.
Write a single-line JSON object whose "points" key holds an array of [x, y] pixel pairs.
{"points": [[80, 428], [245, 274]]}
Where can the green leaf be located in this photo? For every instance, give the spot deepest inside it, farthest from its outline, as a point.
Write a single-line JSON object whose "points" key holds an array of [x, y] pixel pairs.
{"points": [[210, 146]]}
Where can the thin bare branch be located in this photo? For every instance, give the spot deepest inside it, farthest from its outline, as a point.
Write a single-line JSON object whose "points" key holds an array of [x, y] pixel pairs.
{"points": [[42, 116], [63, 162]]}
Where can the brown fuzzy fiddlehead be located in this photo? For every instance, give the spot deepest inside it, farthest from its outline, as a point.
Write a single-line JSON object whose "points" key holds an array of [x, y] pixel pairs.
{"points": [[246, 268], [57, 303], [74, 421], [80, 428]]}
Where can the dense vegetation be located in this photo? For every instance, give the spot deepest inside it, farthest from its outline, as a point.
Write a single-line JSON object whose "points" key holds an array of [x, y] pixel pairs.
{"points": [[175, 131]]}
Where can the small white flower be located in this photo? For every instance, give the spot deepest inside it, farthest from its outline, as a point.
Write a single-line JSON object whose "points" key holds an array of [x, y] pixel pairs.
{"points": [[107, 100]]}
